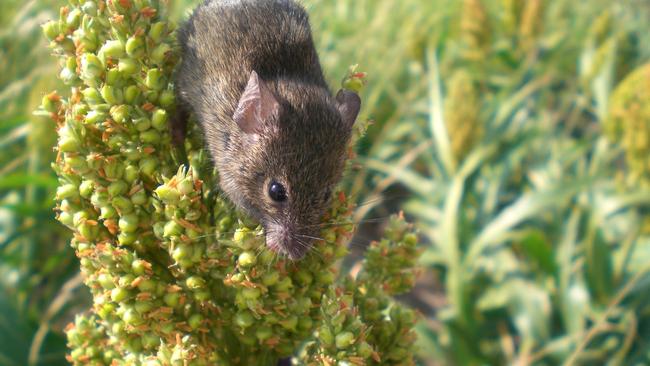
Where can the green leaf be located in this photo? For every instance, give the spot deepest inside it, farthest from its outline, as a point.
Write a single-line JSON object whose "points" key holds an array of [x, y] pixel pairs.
{"points": [[437, 126], [525, 206], [21, 180], [537, 248], [598, 266]]}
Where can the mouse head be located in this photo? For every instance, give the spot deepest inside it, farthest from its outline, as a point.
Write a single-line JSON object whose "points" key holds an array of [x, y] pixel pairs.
{"points": [[297, 139]]}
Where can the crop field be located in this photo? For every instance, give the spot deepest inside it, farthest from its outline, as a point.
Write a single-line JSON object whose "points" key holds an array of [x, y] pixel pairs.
{"points": [[514, 135]]}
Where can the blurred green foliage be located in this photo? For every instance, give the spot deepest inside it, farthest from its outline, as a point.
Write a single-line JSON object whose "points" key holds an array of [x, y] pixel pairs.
{"points": [[489, 113], [34, 260]]}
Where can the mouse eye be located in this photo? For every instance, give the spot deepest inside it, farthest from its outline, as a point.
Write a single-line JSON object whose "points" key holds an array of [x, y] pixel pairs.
{"points": [[277, 192]]}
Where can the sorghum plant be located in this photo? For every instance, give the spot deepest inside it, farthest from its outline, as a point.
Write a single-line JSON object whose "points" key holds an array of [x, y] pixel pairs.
{"points": [[177, 275]]}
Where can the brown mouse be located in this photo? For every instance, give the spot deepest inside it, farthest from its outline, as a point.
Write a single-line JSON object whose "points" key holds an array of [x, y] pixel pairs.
{"points": [[251, 76]]}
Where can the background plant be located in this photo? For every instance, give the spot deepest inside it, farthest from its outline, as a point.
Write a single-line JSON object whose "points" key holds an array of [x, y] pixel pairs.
{"points": [[532, 216], [177, 275]]}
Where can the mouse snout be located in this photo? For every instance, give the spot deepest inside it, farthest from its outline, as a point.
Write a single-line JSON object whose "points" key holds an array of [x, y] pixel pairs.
{"points": [[285, 240]]}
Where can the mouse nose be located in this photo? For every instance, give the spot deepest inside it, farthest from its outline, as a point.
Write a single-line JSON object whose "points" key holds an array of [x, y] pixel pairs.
{"points": [[283, 240], [297, 248]]}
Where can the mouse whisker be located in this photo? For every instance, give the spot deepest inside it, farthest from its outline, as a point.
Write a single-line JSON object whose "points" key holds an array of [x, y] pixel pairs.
{"points": [[381, 198], [342, 223], [308, 247], [310, 237]]}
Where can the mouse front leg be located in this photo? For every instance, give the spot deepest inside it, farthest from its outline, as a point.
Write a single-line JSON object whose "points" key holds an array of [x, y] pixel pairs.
{"points": [[284, 361], [178, 125]]}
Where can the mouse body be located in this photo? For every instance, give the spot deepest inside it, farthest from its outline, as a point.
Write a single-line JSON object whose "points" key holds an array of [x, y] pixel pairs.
{"points": [[278, 137]]}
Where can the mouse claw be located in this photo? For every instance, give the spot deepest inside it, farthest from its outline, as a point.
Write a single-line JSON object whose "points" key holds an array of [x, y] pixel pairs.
{"points": [[178, 126]]}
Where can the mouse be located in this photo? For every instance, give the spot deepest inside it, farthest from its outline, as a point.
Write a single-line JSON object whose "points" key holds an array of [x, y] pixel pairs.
{"points": [[278, 137]]}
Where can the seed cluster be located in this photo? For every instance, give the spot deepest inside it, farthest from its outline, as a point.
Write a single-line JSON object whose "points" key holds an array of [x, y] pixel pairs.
{"points": [[361, 324], [629, 124], [178, 277]]}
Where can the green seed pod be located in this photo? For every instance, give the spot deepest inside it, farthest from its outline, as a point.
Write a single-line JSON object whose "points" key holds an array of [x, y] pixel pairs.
{"points": [[90, 8], [150, 341], [91, 67], [195, 321], [117, 188], [112, 48], [158, 54], [106, 281], [152, 96], [172, 299], [154, 79], [111, 95], [107, 310], [126, 279], [113, 169], [289, 323], [92, 95], [108, 212], [167, 194], [131, 94], [48, 104], [270, 278], [66, 45], [65, 218], [159, 120], [121, 113], [80, 217], [325, 277], [148, 166], [283, 285], [131, 173], [157, 30], [246, 259], [135, 47], [251, 293], [122, 204], [150, 137], [143, 307], [129, 223], [364, 350], [51, 29], [89, 44], [69, 144], [326, 336], [305, 323], [172, 228], [195, 282], [166, 98], [128, 67], [95, 117], [76, 162], [244, 319], [132, 317], [344, 340], [86, 188], [73, 19], [114, 77], [119, 294], [68, 76], [99, 198], [263, 333], [304, 277], [139, 198]]}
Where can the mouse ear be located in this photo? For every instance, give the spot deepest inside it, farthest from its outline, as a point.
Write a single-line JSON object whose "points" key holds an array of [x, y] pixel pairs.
{"points": [[256, 105], [348, 103]]}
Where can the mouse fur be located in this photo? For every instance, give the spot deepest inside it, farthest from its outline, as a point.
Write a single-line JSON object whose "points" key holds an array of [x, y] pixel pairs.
{"points": [[251, 76]]}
